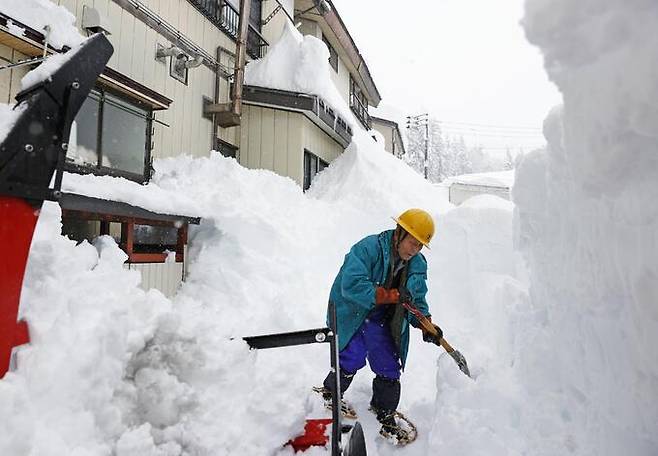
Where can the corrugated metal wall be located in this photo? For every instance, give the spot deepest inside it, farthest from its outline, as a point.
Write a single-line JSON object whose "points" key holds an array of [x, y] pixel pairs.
{"points": [[275, 139], [10, 80], [134, 56], [165, 277]]}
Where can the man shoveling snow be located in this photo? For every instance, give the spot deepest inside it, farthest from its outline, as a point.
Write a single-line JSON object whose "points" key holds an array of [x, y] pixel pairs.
{"points": [[379, 274]]}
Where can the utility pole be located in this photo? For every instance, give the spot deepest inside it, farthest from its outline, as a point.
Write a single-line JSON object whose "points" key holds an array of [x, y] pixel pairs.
{"points": [[422, 120]]}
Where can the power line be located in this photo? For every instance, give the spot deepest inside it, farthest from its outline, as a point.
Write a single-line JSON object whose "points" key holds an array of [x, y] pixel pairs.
{"points": [[491, 126]]}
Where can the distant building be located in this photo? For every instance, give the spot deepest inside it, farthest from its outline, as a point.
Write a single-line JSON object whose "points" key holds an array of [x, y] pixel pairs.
{"points": [[390, 130], [465, 186]]}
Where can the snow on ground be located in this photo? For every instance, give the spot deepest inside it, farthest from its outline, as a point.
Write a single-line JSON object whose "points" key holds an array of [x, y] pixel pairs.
{"points": [[564, 368], [112, 368]]}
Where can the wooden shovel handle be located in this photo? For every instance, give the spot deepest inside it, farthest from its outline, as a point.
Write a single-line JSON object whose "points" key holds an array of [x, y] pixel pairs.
{"points": [[427, 326]]}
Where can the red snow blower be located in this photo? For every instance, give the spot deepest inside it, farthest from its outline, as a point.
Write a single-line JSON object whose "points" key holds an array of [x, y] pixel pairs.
{"points": [[315, 429], [34, 150]]}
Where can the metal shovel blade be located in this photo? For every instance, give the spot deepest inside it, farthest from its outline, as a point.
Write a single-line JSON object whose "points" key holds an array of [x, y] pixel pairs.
{"points": [[461, 361]]}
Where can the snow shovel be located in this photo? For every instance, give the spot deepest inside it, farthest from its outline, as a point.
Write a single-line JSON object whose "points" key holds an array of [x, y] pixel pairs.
{"points": [[429, 327]]}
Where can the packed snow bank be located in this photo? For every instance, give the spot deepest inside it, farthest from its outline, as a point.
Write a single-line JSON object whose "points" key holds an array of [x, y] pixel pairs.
{"points": [[42, 14], [298, 63], [588, 227]]}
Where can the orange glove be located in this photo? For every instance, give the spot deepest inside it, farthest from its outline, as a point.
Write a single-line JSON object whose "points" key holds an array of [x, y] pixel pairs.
{"points": [[386, 295]]}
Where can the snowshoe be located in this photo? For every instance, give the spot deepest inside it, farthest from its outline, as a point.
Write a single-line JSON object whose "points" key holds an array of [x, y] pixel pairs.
{"points": [[346, 409], [396, 428]]}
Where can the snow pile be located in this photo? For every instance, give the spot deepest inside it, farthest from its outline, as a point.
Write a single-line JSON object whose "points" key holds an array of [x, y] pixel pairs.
{"points": [[8, 117], [42, 14], [298, 63], [588, 226], [112, 368]]}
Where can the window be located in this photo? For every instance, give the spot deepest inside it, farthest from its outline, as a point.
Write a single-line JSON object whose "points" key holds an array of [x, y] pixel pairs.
{"points": [[333, 55], [359, 104], [111, 136], [312, 165]]}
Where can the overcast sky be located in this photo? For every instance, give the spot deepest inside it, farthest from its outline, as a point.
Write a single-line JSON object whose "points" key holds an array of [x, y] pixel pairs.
{"points": [[463, 61]]}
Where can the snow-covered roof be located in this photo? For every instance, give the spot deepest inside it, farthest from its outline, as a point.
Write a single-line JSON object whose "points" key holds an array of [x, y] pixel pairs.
{"points": [[492, 179]]}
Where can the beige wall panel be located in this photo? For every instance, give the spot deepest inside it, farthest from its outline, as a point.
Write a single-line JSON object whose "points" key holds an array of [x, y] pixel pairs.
{"points": [[319, 143], [114, 18], [140, 59], [68, 4], [272, 31], [243, 151], [6, 54], [150, 65], [281, 142], [16, 75], [169, 11], [103, 7], [179, 118], [194, 29], [267, 139], [79, 7], [165, 277], [5, 75], [180, 22], [255, 127], [295, 148], [160, 70], [126, 42], [342, 81]]}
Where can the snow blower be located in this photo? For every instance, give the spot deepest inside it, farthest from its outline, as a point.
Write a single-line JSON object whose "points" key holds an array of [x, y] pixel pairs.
{"points": [[315, 429], [33, 150]]}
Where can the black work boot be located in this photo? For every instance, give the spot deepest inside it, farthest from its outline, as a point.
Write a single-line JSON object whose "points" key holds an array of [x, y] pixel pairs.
{"points": [[329, 383], [391, 429], [385, 394]]}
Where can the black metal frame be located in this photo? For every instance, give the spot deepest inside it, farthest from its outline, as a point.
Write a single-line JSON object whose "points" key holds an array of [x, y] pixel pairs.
{"points": [[356, 445], [28, 161]]}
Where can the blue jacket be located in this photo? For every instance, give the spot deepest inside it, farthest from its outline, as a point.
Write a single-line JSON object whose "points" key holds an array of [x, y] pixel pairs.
{"points": [[353, 292]]}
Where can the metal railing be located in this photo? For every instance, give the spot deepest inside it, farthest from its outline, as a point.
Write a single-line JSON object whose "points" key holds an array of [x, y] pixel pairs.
{"points": [[227, 18], [360, 111]]}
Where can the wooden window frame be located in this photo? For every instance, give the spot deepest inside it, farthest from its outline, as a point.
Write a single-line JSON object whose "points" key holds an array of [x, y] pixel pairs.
{"points": [[127, 243]]}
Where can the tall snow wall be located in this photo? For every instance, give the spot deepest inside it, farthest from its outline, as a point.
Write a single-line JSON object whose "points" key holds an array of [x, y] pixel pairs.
{"points": [[587, 224]]}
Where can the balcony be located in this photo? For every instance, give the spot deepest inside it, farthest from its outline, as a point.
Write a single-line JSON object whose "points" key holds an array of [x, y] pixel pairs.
{"points": [[226, 17], [312, 106]]}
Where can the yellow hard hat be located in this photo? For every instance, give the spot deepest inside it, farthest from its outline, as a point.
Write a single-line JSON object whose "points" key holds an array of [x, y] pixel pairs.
{"points": [[418, 223]]}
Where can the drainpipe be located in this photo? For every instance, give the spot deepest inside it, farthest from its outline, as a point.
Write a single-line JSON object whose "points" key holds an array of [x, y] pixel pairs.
{"points": [[228, 114], [241, 51]]}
